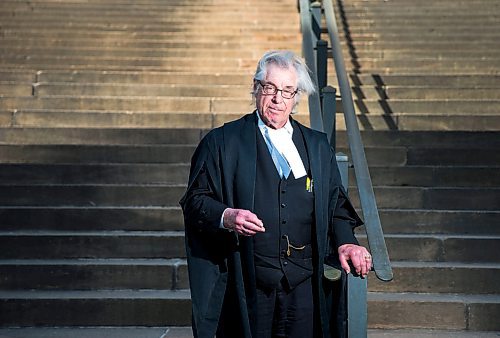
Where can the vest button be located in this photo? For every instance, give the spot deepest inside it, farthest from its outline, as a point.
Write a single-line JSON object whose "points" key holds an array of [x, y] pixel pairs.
{"points": [[285, 263], [283, 221], [283, 205], [283, 191]]}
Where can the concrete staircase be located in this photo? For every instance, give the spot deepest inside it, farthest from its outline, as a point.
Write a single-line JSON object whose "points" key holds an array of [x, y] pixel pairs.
{"points": [[103, 102], [101, 106], [426, 80]]}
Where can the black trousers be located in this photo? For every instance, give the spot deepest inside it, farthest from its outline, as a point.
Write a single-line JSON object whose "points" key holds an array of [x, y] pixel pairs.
{"points": [[285, 313]]}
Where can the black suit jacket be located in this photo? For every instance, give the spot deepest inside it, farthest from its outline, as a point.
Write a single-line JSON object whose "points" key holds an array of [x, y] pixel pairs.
{"points": [[220, 263]]}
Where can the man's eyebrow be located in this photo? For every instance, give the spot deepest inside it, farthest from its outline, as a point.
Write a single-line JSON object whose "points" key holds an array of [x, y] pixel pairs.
{"points": [[271, 83]]}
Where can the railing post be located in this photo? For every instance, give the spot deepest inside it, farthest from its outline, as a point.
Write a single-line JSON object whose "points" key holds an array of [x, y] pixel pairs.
{"points": [[321, 63], [357, 312], [316, 19], [343, 164], [329, 108], [357, 309], [316, 120]]}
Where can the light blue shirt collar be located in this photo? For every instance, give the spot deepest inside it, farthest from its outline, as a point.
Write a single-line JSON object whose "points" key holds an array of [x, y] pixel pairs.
{"points": [[262, 126]]}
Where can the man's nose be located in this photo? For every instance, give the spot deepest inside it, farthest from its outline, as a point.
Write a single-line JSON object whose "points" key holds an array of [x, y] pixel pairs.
{"points": [[277, 98]]}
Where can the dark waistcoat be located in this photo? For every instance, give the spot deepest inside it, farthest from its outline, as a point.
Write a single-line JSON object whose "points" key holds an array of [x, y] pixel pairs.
{"points": [[286, 208]]}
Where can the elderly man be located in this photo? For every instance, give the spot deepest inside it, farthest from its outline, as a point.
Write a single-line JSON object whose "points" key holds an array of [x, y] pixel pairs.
{"points": [[263, 209]]}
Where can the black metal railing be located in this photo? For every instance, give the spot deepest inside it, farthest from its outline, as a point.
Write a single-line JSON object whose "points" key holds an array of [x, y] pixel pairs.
{"points": [[322, 108]]}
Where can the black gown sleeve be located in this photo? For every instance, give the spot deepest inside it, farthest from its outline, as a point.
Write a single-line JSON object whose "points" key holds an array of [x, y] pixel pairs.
{"points": [[343, 216], [201, 208], [202, 203]]}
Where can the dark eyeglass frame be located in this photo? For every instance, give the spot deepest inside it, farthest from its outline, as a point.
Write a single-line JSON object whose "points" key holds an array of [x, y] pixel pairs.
{"points": [[275, 90]]}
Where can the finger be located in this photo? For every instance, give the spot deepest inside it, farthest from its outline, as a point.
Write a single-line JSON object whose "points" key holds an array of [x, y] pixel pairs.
{"points": [[252, 218], [356, 262], [364, 270], [344, 264], [369, 262], [253, 227], [248, 229], [245, 232], [360, 255]]}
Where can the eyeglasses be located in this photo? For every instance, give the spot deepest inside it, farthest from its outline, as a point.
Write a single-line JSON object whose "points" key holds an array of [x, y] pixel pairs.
{"points": [[270, 89]]}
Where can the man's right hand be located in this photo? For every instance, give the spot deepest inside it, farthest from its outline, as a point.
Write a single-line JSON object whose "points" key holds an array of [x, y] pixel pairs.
{"points": [[242, 221]]}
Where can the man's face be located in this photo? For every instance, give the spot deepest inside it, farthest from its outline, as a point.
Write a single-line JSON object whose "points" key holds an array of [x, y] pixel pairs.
{"points": [[274, 110]]}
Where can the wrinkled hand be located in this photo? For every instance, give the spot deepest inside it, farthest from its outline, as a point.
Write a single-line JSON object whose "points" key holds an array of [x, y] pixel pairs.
{"points": [[359, 257], [242, 221]]}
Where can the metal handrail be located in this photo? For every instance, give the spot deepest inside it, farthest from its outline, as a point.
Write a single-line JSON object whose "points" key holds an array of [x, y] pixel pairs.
{"points": [[378, 249], [376, 242], [315, 119]]}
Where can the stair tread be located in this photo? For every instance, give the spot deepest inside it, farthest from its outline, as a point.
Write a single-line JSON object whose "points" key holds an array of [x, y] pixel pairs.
{"points": [[108, 233], [91, 262], [95, 294], [433, 297]]}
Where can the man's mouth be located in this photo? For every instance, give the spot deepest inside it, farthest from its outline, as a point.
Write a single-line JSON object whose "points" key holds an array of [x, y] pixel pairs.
{"points": [[274, 110]]}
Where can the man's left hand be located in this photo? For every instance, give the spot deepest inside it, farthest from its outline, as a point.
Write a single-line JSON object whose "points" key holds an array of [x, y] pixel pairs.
{"points": [[359, 257]]}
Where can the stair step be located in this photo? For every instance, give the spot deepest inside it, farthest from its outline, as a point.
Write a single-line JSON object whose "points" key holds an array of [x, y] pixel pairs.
{"points": [[147, 244], [87, 244], [440, 277], [157, 136], [91, 274], [428, 107], [122, 119], [186, 332], [426, 221], [145, 77], [394, 221], [143, 90], [432, 176], [233, 91], [425, 333], [434, 198], [419, 93], [94, 274], [51, 154], [191, 136], [96, 119], [450, 121], [100, 331], [17, 76], [5, 119], [89, 48], [441, 248], [15, 89], [114, 136], [168, 195], [95, 308], [420, 310], [123, 307], [94, 174], [91, 218], [428, 80], [477, 157], [92, 195], [228, 64], [260, 47], [138, 104], [86, 154], [116, 173]]}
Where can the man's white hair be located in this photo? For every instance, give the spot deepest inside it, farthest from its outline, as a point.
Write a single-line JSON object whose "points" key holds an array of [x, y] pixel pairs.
{"points": [[287, 60]]}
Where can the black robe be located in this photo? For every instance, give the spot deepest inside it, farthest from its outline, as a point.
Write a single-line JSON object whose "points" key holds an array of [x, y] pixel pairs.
{"points": [[220, 263]]}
